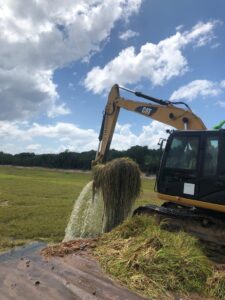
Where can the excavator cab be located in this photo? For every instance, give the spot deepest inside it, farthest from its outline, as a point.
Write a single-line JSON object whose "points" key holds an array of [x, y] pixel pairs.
{"points": [[192, 170]]}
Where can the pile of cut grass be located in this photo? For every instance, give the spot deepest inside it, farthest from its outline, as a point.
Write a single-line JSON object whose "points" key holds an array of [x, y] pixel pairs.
{"points": [[120, 184], [157, 263], [216, 284]]}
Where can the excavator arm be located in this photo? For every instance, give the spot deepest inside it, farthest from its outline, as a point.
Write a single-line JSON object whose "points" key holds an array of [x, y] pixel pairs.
{"points": [[163, 111]]}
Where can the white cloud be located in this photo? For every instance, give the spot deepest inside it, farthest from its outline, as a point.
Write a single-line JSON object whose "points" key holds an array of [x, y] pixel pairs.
{"points": [[24, 93], [149, 136], [11, 130], [19, 137], [179, 27], [156, 62], [128, 34], [221, 104], [57, 110], [37, 37], [34, 147], [23, 137], [131, 7], [201, 34], [197, 88], [222, 83]]}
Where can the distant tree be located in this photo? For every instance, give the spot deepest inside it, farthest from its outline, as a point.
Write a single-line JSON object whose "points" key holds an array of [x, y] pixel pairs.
{"points": [[138, 153], [85, 159], [148, 159], [24, 159], [113, 154], [6, 159]]}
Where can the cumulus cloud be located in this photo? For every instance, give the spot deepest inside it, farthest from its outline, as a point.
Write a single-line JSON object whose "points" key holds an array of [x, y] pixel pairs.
{"points": [[126, 35], [58, 135], [33, 147], [222, 83], [149, 136], [57, 110], [37, 138], [156, 62], [37, 37], [25, 93], [198, 88]]}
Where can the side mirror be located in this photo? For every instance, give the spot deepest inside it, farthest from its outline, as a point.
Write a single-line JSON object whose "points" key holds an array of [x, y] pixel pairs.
{"points": [[169, 131], [161, 142]]}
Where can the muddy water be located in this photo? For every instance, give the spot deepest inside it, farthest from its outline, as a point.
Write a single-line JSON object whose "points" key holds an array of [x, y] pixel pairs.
{"points": [[18, 252], [86, 217]]}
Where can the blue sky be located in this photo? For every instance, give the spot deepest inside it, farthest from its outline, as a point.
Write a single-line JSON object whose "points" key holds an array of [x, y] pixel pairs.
{"points": [[60, 58]]}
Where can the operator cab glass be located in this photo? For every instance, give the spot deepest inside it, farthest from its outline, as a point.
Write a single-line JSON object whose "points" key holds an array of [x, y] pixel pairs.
{"points": [[180, 164], [182, 153], [211, 156], [193, 166]]}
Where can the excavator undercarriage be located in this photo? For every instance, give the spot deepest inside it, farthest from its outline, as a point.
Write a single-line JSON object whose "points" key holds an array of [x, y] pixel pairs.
{"points": [[203, 224]]}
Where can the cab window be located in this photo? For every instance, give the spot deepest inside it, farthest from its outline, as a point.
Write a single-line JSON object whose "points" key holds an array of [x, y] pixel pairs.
{"points": [[211, 156], [183, 153]]}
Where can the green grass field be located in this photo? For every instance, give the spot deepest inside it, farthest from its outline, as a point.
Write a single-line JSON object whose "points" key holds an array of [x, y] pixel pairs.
{"points": [[35, 204]]}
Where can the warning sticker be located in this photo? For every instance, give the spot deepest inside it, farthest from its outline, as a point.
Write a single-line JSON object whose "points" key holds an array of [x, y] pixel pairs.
{"points": [[189, 188]]}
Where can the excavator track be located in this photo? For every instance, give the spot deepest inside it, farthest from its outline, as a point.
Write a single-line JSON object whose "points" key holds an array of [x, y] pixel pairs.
{"points": [[208, 228]]}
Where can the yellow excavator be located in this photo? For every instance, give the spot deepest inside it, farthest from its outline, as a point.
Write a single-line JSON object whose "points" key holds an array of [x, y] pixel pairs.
{"points": [[191, 175]]}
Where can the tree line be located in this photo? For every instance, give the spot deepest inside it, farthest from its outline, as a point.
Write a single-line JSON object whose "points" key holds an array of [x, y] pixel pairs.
{"points": [[147, 159]]}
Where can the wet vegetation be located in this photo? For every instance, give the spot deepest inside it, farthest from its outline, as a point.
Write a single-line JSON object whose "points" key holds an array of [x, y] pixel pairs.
{"points": [[120, 184], [157, 263]]}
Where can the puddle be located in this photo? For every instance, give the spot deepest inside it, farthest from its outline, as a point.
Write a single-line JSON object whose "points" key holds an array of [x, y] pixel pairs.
{"points": [[29, 250]]}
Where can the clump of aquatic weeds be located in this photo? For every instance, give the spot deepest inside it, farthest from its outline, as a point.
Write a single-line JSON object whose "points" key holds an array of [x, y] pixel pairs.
{"points": [[120, 184], [157, 263]]}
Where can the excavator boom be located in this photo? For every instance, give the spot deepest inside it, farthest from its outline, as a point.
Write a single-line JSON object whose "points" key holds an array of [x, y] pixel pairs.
{"points": [[164, 111]]}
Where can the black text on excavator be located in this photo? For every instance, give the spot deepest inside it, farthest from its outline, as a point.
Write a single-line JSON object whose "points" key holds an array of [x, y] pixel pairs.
{"points": [[191, 176]]}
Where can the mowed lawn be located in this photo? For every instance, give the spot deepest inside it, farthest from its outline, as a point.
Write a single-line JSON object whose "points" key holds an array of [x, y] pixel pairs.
{"points": [[35, 204]]}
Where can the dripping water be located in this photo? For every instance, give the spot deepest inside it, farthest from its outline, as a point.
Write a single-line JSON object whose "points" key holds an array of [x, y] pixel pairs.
{"points": [[86, 219]]}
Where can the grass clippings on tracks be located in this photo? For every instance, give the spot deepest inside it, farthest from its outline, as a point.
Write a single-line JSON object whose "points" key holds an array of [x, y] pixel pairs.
{"points": [[155, 263]]}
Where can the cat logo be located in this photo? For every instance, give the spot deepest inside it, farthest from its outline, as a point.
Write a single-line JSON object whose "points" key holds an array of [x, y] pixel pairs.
{"points": [[145, 110]]}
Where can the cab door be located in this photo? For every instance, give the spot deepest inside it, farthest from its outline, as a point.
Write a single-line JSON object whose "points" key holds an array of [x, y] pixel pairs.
{"points": [[179, 170], [212, 176]]}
